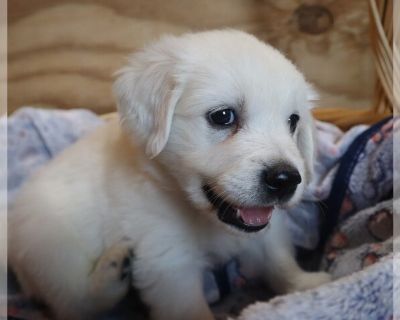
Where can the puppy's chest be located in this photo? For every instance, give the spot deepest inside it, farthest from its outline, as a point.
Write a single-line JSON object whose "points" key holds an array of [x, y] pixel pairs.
{"points": [[221, 248]]}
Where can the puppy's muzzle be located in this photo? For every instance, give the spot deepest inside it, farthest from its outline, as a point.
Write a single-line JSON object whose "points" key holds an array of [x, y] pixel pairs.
{"points": [[280, 181]]}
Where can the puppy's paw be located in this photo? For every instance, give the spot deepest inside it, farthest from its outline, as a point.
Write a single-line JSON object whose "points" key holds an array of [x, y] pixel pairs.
{"points": [[112, 275], [115, 264], [309, 280]]}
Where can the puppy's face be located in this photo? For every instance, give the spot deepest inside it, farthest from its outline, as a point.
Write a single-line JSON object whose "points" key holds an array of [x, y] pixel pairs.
{"points": [[228, 116]]}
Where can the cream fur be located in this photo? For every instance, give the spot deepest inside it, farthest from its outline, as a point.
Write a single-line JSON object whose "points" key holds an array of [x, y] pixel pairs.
{"points": [[140, 188]]}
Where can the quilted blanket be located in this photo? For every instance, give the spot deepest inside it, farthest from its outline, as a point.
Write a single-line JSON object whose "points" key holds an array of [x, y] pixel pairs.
{"points": [[357, 239], [350, 199]]}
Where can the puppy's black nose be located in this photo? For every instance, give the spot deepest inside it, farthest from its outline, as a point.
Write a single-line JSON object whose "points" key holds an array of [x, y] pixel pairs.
{"points": [[281, 181]]}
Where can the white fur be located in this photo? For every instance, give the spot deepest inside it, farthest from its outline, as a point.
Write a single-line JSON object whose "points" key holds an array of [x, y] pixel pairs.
{"points": [[107, 194]]}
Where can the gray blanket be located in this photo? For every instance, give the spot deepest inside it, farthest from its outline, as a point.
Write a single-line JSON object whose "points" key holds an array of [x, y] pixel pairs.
{"points": [[354, 180]]}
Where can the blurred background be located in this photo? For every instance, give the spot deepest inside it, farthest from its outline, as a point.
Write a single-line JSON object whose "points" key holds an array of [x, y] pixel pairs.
{"points": [[63, 53]]}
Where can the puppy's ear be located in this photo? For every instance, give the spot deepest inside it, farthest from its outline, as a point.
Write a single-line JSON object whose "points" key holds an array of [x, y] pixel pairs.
{"points": [[307, 139], [147, 92], [306, 142]]}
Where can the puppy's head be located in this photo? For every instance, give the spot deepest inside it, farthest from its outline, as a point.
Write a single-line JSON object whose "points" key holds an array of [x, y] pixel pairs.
{"points": [[229, 117]]}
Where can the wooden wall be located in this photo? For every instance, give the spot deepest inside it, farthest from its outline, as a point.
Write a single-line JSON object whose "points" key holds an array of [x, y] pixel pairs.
{"points": [[63, 53]]}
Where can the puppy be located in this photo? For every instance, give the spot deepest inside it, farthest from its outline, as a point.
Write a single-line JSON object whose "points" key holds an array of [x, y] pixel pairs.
{"points": [[216, 139]]}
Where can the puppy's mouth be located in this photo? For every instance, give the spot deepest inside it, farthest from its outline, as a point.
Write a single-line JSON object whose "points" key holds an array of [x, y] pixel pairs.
{"points": [[248, 219]]}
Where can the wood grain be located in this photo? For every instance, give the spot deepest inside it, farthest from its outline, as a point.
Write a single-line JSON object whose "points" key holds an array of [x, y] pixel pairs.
{"points": [[63, 53]]}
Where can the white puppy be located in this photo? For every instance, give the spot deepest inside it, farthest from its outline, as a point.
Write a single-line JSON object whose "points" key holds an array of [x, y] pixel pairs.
{"points": [[217, 137]]}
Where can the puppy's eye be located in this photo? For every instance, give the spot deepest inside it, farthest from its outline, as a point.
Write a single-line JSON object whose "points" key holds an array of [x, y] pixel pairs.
{"points": [[222, 118], [293, 120]]}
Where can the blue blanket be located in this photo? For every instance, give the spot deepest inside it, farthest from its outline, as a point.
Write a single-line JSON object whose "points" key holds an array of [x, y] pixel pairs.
{"points": [[353, 178], [357, 240]]}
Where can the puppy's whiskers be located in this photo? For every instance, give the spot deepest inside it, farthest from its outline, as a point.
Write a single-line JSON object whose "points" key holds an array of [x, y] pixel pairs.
{"points": [[219, 195], [219, 198]]}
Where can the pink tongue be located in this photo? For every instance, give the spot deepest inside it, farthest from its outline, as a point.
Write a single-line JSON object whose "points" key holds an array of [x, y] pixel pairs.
{"points": [[256, 216]]}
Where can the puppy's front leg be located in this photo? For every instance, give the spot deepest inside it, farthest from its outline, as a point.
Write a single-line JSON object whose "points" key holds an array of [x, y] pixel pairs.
{"points": [[172, 291], [110, 279], [271, 256]]}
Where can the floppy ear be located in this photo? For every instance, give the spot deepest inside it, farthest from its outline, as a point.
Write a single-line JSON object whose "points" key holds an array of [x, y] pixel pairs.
{"points": [[147, 92], [307, 139], [306, 142]]}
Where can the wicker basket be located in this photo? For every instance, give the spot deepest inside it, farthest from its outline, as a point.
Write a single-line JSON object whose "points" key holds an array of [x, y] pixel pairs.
{"points": [[381, 16]]}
